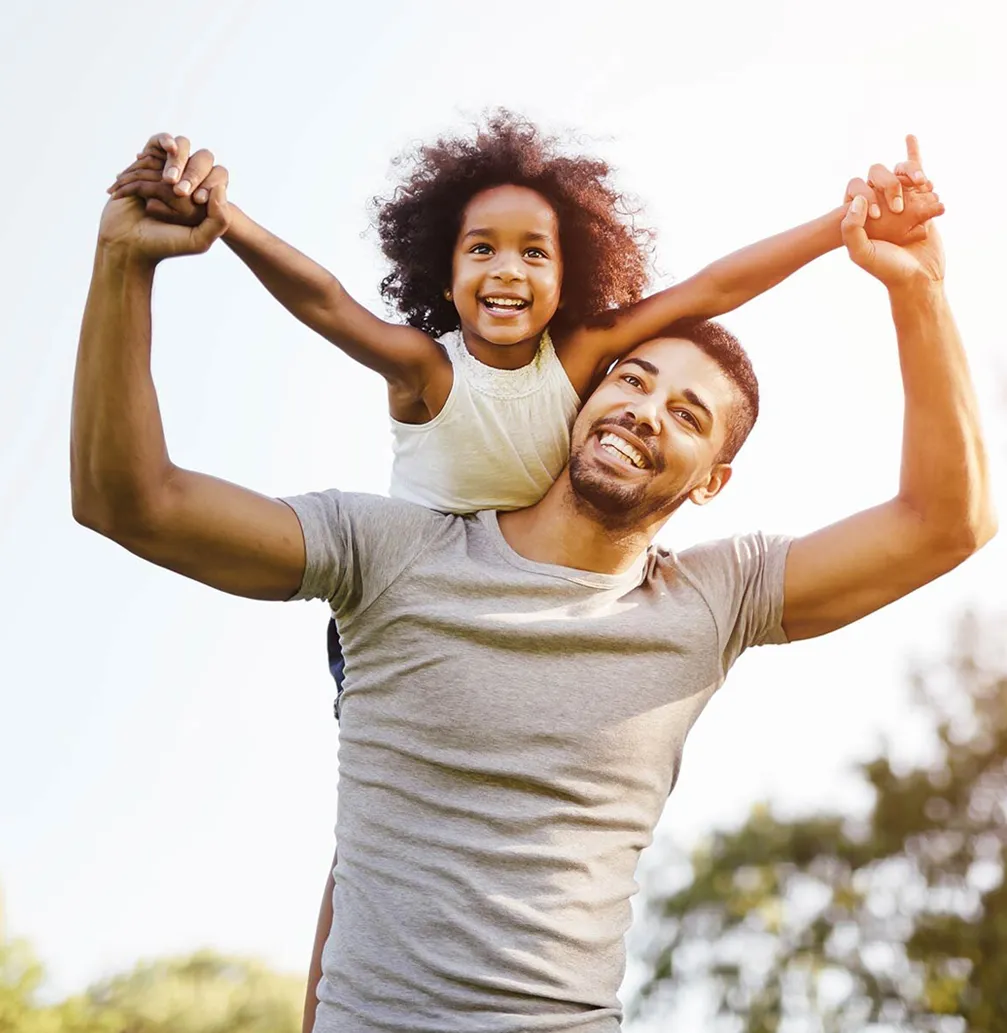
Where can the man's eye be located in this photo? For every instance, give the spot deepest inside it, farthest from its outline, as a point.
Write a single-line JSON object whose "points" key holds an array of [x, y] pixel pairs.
{"points": [[685, 414]]}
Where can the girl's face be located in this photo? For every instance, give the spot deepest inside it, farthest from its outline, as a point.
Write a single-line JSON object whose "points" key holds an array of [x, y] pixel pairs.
{"points": [[507, 272]]}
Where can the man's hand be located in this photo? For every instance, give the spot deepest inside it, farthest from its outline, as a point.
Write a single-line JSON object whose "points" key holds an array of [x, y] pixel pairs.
{"points": [[899, 203], [174, 184], [895, 261], [126, 227], [918, 256]]}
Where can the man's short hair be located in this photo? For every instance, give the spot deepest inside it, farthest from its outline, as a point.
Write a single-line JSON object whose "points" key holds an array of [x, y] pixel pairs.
{"points": [[725, 349]]}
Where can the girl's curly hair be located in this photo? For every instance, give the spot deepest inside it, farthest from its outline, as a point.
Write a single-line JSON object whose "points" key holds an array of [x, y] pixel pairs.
{"points": [[605, 254]]}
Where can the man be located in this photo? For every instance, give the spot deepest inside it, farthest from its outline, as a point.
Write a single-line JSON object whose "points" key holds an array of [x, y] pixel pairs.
{"points": [[520, 684]]}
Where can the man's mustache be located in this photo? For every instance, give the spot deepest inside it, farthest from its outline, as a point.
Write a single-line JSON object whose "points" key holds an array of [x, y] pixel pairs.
{"points": [[646, 435]]}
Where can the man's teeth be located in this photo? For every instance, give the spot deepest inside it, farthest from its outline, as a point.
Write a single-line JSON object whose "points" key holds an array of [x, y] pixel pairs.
{"points": [[623, 449], [505, 302]]}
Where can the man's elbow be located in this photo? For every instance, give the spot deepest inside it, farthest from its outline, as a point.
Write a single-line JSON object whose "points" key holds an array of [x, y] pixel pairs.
{"points": [[982, 529], [117, 515], [958, 541]]}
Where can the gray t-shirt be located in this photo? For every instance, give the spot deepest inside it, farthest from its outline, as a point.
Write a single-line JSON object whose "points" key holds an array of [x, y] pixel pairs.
{"points": [[509, 734]]}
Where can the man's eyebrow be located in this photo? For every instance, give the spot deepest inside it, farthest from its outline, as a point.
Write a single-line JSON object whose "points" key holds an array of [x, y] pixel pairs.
{"points": [[649, 367], [690, 396]]}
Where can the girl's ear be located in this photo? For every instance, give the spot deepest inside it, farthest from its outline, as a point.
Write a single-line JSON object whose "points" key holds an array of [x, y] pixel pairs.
{"points": [[447, 294]]}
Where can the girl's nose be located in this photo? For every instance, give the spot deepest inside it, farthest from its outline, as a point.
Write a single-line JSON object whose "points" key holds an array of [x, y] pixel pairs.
{"points": [[508, 269]]}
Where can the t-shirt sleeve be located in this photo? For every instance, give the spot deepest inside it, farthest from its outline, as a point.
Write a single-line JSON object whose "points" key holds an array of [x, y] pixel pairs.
{"points": [[741, 580], [357, 545]]}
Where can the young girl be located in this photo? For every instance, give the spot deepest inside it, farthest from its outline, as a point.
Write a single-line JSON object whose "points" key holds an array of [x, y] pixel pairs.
{"points": [[519, 274]]}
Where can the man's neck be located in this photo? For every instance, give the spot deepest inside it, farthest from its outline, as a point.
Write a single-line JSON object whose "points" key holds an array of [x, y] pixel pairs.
{"points": [[558, 531]]}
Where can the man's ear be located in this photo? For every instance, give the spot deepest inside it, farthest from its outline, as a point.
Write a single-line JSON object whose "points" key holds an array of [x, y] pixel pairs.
{"points": [[714, 484]]}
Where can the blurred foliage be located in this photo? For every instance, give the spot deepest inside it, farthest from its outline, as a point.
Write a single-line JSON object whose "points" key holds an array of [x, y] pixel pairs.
{"points": [[832, 924], [202, 993]]}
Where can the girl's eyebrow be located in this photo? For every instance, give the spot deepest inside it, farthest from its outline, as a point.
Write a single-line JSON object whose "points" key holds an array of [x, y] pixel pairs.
{"points": [[483, 231]]}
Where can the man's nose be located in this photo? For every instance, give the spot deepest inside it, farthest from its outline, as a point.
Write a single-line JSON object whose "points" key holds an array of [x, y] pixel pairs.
{"points": [[645, 413]]}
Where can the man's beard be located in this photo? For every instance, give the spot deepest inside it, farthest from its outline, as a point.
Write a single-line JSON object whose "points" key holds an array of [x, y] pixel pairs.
{"points": [[615, 504]]}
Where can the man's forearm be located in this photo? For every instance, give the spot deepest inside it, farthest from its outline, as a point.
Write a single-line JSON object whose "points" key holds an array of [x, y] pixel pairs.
{"points": [[117, 449], [944, 477], [298, 283]]}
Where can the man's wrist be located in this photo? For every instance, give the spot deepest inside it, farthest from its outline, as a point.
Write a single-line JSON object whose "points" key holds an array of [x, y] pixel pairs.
{"points": [[123, 258], [919, 291]]}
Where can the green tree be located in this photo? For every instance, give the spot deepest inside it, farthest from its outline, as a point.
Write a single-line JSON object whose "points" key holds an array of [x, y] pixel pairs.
{"points": [[21, 976], [201, 993], [831, 923]]}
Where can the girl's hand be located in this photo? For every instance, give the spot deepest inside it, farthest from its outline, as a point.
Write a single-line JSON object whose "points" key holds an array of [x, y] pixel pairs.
{"points": [[174, 183], [899, 203]]}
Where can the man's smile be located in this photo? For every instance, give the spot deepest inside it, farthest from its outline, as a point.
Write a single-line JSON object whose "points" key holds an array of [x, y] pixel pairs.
{"points": [[625, 448]]}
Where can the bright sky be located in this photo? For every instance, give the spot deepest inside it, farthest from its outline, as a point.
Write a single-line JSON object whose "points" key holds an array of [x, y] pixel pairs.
{"points": [[167, 754]]}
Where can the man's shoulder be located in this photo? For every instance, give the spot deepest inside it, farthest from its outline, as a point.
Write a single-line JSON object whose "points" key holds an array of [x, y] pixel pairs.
{"points": [[741, 582], [665, 557], [357, 544], [706, 566], [362, 508]]}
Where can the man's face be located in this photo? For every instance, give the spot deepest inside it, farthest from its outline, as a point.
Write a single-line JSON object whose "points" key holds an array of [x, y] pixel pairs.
{"points": [[649, 436]]}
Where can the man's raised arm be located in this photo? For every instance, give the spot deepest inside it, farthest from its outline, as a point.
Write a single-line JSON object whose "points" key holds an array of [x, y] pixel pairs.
{"points": [[943, 511], [124, 484]]}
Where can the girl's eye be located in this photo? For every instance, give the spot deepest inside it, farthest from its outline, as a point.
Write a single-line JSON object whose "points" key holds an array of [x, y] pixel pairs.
{"points": [[534, 252], [631, 380], [481, 249]]}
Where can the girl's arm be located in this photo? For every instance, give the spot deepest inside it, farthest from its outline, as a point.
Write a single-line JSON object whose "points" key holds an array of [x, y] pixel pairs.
{"points": [[404, 356], [730, 282]]}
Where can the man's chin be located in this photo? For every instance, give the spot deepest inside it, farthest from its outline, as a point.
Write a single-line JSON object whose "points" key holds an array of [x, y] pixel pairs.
{"points": [[614, 502]]}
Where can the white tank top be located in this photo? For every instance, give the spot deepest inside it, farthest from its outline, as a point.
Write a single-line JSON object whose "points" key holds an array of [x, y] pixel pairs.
{"points": [[501, 439]]}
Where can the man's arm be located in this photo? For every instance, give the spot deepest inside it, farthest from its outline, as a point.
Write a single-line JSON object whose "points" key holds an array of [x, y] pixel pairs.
{"points": [[407, 358], [123, 482], [729, 282], [943, 511]]}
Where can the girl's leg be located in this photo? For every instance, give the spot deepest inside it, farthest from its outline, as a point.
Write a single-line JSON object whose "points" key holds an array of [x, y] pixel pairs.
{"points": [[325, 910], [321, 935], [336, 662]]}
